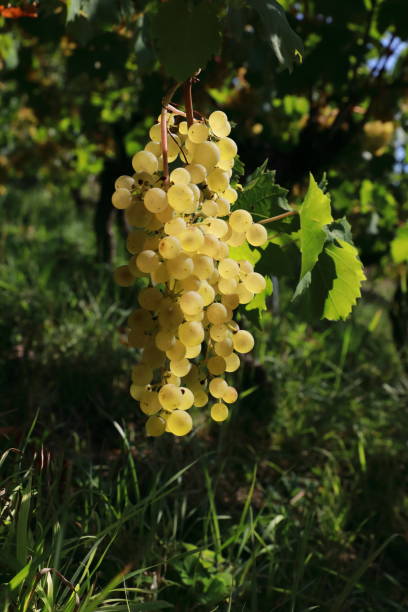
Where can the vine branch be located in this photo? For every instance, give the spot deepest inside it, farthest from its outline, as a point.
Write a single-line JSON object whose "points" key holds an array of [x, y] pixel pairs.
{"points": [[282, 216]]}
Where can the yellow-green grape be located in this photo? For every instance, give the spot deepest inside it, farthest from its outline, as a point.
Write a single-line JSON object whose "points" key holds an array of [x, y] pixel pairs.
{"points": [[155, 200], [179, 423], [165, 215], [256, 234], [226, 165], [135, 240], [191, 302], [144, 161], [218, 332], [160, 274], [170, 314], [197, 173], [123, 276], [245, 268], [236, 239], [175, 226], [191, 239], [180, 197], [230, 395], [191, 283], [219, 411], [169, 247], [137, 338], [142, 374], [191, 333], [187, 398], [210, 245], [180, 368], [228, 148], [150, 298], [164, 340], [141, 319], [217, 313], [207, 293], [224, 208], [219, 124], [180, 267], [153, 147], [232, 362], [240, 220], [154, 224], [183, 128], [254, 282], [206, 154], [137, 215], [147, 261], [203, 266], [200, 398], [173, 147], [149, 402], [176, 352], [193, 351], [198, 132], [245, 296], [155, 132], [218, 180], [215, 226], [125, 182], [230, 194], [153, 355], [122, 198], [210, 208], [172, 379], [217, 387], [180, 176], [216, 365], [243, 341], [227, 286], [136, 391], [170, 396], [155, 426], [224, 347], [228, 268]]}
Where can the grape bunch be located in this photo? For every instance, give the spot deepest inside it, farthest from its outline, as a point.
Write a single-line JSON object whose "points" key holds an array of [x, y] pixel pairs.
{"points": [[182, 230]]}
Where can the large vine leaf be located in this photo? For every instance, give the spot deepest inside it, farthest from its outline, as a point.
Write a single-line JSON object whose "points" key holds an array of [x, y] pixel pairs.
{"points": [[314, 214], [399, 246], [347, 285], [186, 36], [286, 44]]}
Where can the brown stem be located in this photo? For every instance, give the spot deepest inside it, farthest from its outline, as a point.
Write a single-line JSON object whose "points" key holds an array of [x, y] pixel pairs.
{"points": [[163, 131], [282, 216], [188, 101]]}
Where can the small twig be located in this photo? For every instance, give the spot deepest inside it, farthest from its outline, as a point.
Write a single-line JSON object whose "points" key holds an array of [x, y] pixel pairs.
{"points": [[282, 216], [48, 570]]}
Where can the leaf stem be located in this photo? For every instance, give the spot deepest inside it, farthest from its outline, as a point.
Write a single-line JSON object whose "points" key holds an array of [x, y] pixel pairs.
{"points": [[282, 216]]}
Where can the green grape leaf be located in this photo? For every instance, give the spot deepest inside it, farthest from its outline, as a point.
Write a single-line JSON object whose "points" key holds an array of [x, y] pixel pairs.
{"points": [[340, 229], [73, 8], [263, 198], [280, 258], [347, 285], [186, 36], [314, 214], [286, 44], [245, 252], [399, 246]]}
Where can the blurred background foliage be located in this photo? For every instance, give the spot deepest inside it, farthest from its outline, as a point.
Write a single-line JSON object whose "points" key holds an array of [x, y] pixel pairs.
{"points": [[324, 414]]}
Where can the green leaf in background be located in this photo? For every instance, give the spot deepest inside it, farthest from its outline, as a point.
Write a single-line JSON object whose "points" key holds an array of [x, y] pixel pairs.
{"points": [[347, 284], [280, 258], [263, 197], [73, 8], [285, 43], [186, 36], [399, 246], [340, 229], [315, 213], [245, 252]]}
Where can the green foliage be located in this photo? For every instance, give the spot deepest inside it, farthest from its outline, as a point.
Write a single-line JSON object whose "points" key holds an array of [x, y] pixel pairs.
{"points": [[399, 246], [186, 36], [286, 44]]}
